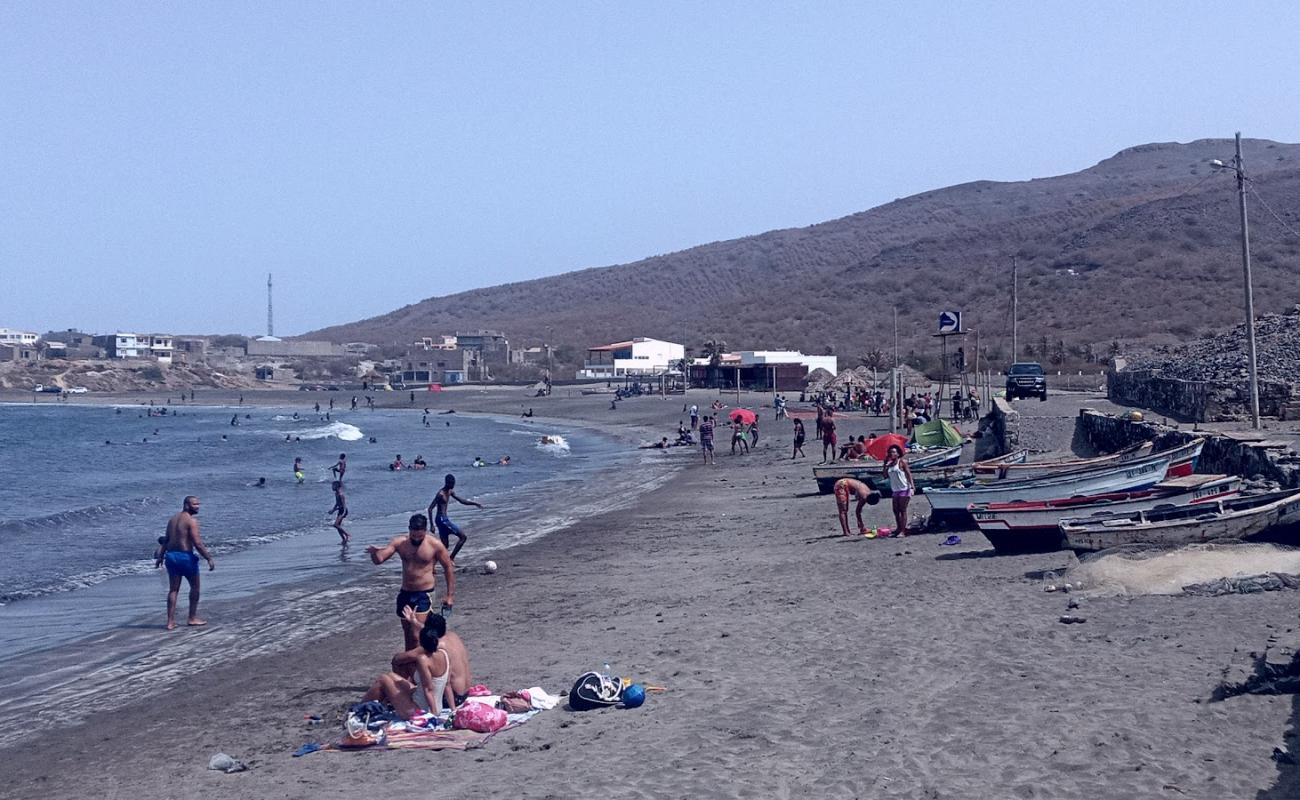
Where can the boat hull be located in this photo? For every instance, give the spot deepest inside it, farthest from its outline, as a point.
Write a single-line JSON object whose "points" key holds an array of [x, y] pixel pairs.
{"points": [[1035, 526], [1223, 520], [869, 472]]}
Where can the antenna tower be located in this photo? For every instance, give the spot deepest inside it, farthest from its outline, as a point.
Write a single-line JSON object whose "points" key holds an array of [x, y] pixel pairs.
{"points": [[270, 319]]}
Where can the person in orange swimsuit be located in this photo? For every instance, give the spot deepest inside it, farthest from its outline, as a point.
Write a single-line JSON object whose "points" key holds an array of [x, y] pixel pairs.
{"points": [[847, 488]]}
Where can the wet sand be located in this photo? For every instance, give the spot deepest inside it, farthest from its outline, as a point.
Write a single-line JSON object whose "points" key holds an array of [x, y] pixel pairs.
{"points": [[799, 664]]}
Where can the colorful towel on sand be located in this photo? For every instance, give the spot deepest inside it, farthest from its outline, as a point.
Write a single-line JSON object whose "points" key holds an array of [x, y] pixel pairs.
{"points": [[437, 740]]}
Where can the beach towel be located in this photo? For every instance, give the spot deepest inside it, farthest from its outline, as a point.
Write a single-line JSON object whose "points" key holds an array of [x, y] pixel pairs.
{"points": [[437, 740]]}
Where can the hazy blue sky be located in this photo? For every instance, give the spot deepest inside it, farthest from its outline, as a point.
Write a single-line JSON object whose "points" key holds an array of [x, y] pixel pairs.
{"points": [[158, 159]]}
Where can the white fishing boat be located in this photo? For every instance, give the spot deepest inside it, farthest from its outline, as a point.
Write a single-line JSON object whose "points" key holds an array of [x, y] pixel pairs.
{"points": [[869, 471], [1219, 520], [955, 501], [1037, 469], [1031, 526]]}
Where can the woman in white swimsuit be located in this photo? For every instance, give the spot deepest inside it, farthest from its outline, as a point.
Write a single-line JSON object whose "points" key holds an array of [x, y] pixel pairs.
{"points": [[900, 485], [430, 668]]}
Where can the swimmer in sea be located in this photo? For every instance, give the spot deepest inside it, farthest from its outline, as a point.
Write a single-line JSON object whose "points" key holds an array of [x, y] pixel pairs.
{"points": [[419, 463], [177, 550], [297, 469], [504, 461], [479, 462], [397, 463], [438, 511], [261, 483], [341, 509]]}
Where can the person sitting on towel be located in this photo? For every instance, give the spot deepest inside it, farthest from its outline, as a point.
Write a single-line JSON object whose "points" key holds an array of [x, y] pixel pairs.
{"points": [[418, 683], [461, 679]]}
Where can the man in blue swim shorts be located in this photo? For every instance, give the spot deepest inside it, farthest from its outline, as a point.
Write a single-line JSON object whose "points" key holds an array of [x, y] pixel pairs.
{"points": [[177, 551], [438, 511], [419, 552]]}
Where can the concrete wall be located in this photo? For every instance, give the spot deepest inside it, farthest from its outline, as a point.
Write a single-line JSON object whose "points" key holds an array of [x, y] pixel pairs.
{"points": [[293, 348], [1193, 401], [1106, 433]]}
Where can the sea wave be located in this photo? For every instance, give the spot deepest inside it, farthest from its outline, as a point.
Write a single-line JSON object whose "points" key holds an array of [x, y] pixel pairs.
{"points": [[75, 516], [334, 430]]}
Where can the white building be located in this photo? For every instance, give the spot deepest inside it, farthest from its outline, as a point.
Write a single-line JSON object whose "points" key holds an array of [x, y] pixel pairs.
{"points": [[157, 345], [122, 345], [753, 358], [636, 358], [11, 336]]}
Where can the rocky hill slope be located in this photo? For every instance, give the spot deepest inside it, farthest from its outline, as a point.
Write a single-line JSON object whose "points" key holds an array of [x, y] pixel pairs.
{"points": [[1140, 247]]}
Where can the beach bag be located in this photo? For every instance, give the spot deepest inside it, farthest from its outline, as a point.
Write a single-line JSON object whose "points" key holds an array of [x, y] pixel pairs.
{"points": [[593, 690], [479, 717]]}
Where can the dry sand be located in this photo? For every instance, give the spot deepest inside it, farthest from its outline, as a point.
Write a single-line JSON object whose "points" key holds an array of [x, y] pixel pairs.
{"points": [[800, 664]]}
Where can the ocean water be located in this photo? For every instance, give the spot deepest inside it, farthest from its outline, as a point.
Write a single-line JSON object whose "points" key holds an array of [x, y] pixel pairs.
{"points": [[86, 491]]}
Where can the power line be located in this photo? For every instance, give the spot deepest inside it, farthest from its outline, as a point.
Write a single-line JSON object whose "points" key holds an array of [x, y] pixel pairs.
{"points": [[1270, 210]]}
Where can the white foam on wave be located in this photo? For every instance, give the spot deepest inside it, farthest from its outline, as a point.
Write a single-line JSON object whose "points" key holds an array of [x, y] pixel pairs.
{"points": [[554, 444], [334, 430]]}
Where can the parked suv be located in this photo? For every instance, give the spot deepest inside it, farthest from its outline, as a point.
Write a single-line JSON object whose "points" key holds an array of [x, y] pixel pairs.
{"points": [[1026, 379]]}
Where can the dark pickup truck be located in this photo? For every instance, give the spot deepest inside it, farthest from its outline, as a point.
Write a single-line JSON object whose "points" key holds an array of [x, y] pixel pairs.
{"points": [[1026, 379]]}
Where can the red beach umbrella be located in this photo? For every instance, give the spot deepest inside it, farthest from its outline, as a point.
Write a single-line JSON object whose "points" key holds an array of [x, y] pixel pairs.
{"points": [[744, 415], [878, 447]]}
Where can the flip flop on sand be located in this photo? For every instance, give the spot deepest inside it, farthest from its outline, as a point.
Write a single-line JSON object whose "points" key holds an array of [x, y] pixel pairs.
{"points": [[951, 540]]}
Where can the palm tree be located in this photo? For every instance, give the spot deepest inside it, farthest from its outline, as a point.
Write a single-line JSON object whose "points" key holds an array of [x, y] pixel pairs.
{"points": [[875, 359], [713, 350]]}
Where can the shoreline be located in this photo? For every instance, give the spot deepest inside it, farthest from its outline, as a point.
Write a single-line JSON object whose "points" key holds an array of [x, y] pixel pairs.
{"points": [[799, 663]]}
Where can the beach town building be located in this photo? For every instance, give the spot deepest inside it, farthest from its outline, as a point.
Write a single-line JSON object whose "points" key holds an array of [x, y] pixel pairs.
{"points": [[158, 346], [19, 352], [12, 336], [275, 347], [640, 357], [120, 345], [760, 370], [71, 344]]}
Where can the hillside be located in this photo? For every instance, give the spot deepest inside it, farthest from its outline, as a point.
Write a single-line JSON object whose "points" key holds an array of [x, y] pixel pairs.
{"points": [[1140, 247]]}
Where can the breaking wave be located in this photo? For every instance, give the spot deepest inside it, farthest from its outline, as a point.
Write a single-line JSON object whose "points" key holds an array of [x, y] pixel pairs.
{"points": [[334, 430]]}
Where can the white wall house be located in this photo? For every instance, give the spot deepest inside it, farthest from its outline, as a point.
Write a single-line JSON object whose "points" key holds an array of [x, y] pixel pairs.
{"points": [[122, 345], [11, 336], [750, 358], [635, 358]]}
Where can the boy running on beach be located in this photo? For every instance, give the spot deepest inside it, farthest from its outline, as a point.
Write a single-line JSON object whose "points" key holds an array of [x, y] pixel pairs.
{"points": [[438, 510], [419, 552], [341, 509], [177, 551]]}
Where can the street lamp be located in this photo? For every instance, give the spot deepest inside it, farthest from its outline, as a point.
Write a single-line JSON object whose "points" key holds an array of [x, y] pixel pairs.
{"points": [[1238, 168]]}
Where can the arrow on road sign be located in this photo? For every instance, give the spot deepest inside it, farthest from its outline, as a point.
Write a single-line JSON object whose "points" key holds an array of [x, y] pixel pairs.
{"points": [[949, 322]]}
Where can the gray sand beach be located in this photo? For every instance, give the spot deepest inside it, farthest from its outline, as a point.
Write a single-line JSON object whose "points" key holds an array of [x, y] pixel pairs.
{"points": [[798, 663]]}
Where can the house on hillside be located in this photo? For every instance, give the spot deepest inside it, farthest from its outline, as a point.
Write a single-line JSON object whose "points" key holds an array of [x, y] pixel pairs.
{"points": [[11, 336], [19, 352], [641, 357], [120, 345]]}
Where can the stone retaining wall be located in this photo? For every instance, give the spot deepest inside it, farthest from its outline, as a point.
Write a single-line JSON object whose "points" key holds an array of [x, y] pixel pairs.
{"points": [[996, 431], [1107, 433], [1193, 401]]}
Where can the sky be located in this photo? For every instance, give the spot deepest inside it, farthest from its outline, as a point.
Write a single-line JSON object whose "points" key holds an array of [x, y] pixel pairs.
{"points": [[157, 160]]}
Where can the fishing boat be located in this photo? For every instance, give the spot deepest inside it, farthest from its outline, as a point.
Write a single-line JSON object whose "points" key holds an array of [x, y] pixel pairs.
{"points": [[935, 457], [1218, 520], [869, 472], [952, 503], [1034, 525], [1036, 469]]}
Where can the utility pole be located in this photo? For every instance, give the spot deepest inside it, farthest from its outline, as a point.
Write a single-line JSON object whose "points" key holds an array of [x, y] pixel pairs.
{"points": [[1015, 311], [270, 320], [893, 387], [1250, 294]]}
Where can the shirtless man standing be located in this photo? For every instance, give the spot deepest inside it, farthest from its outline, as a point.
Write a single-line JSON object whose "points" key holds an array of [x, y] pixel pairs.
{"points": [[418, 552], [438, 510], [178, 553]]}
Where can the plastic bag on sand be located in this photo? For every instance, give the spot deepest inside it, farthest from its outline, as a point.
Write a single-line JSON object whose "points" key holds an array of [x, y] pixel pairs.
{"points": [[225, 763], [480, 717]]}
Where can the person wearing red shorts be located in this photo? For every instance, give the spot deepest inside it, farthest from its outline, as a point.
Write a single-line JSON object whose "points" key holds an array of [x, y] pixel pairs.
{"points": [[829, 440], [847, 489]]}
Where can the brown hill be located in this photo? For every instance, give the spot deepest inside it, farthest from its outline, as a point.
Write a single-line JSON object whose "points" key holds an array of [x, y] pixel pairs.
{"points": [[1142, 246]]}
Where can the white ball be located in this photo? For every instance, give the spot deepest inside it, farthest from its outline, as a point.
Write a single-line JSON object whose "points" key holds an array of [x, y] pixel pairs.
{"points": [[489, 567]]}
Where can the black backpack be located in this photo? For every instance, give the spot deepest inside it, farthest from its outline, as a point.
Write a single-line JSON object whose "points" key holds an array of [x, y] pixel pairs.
{"points": [[593, 690]]}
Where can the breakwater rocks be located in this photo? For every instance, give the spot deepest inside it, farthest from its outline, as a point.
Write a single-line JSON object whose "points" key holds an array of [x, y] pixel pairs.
{"points": [[1250, 457], [1207, 380], [1194, 401]]}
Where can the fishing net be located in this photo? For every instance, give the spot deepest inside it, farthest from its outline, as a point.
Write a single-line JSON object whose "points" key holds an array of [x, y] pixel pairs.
{"points": [[1140, 569]]}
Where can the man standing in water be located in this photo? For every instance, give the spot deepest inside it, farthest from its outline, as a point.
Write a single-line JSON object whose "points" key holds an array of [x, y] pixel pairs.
{"points": [[418, 552], [341, 509], [178, 553], [438, 510], [341, 467]]}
